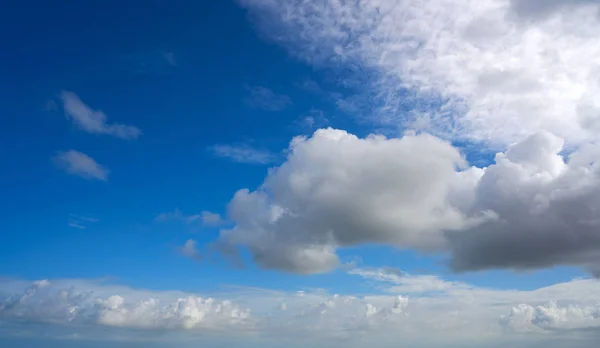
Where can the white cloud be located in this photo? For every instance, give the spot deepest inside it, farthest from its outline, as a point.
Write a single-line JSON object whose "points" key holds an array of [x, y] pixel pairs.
{"points": [[526, 318], [242, 153], [263, 98], [498, 78], [65, 304], [462, 314], [80, 164], [531, 209], [94, 121]]}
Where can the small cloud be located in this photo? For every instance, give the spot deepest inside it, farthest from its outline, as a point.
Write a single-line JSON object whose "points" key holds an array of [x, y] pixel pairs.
{"points": [[80, 164], [171, 215], [76, 225], [170, 58], [244, 154], [263, 98], [94, 121], [190, 250], [80, 221], [211, 219], [315, 119], [311, 86], [207, 218]]}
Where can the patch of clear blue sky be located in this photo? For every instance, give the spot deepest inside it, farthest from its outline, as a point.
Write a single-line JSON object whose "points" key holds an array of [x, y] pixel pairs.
{"points": [[113, 56]]}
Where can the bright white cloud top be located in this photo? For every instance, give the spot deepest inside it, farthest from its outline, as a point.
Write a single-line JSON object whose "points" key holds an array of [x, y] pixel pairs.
{"points": [[502, 69]]}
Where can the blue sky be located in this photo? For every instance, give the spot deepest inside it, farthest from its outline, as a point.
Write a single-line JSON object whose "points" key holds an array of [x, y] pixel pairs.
{"points": [[384, 161]]}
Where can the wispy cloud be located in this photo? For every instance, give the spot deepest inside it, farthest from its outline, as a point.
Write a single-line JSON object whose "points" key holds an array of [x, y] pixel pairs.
{"points": [[80, 164], [497, 70], [170, 58], [205, 217], [81, 221], [211, 219], [243, 153], [94, 121], [263, 98], [313, 120]]}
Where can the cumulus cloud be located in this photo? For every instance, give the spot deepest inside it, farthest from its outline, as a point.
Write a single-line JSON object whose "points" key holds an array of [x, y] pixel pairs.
{"points": [[263, 98], [494, 77], [94, 121], [243, 153], [459, 313], [532, 208], [80, 164], [62, 303], [551, 316]]}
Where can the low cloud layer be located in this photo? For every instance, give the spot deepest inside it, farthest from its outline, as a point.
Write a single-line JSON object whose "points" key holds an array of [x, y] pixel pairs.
{"points": [[532, 208], [403, 308]]}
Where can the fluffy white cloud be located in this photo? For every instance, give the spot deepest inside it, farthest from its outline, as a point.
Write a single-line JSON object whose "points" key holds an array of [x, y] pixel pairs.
{"points": [[532, 208], [526, 318], [63, 303], [80, 164], [499, 76], [94, 121]]}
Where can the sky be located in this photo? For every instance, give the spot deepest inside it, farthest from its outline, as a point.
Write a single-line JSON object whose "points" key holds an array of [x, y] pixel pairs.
{"points": [[259, 173]]}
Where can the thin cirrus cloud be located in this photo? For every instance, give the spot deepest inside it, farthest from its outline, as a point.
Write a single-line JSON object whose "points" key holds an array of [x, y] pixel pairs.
{"points": [[94, 121], [79, 164], [405, 309], [499, 70], [243, 153], [263, 98]]}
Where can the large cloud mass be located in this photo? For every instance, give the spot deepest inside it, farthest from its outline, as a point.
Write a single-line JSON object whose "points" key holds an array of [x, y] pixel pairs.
{"points": [[516, 76], [503, 69], [532, 208]]}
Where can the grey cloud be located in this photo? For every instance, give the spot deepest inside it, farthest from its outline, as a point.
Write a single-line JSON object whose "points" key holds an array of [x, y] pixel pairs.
{"points": [[532, 208], [80, 164]]}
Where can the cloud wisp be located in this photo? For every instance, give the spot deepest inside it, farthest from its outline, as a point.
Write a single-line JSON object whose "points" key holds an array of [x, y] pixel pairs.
{"points": [[94, 121], [496, 70], [243, 153], [80, 164], [265, 99]]}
